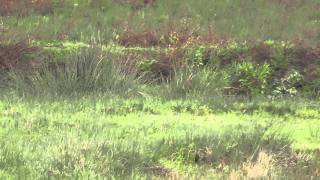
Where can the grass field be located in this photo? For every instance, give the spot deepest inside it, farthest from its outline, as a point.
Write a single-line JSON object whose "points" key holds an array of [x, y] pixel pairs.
{"points": [[159, 89], [83, 20], [95, 137]]}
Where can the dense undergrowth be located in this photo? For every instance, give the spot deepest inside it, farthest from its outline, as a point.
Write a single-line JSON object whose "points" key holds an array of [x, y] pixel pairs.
{"points": [[269, 68]]}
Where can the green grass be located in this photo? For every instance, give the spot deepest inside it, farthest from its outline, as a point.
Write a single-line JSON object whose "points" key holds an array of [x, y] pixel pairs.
{"points": [[98, 118], [244, 20], [100, 136], [112, 112]]}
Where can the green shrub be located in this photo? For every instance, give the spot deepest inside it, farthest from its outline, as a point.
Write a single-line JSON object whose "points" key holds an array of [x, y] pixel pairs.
{"points": [[289, 84], [249, 79]]}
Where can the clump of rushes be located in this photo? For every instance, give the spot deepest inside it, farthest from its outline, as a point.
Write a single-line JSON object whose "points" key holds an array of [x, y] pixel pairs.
{"points": [[91, 70]]}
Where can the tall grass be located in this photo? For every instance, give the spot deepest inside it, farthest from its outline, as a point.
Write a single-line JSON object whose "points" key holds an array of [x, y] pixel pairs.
{"points": [[193, 82], [89, 71]]}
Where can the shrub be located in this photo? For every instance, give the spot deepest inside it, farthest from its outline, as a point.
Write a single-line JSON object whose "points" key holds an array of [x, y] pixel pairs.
{"points": [[289, 84], [248, 78], [231, 53]]}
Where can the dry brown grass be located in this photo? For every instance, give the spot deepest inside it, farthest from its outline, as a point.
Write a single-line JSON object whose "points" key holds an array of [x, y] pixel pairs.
{"points": [[261, 53], [268, 166], [261, 168], [144, 38], [136, 4], [11, 56]]}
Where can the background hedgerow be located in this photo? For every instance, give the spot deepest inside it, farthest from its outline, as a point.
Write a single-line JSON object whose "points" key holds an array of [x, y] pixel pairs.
{"points": [[284, 69], [270, 67]]}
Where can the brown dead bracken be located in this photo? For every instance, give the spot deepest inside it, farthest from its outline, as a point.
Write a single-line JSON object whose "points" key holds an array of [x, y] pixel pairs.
{"points": [[11, 55]]}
